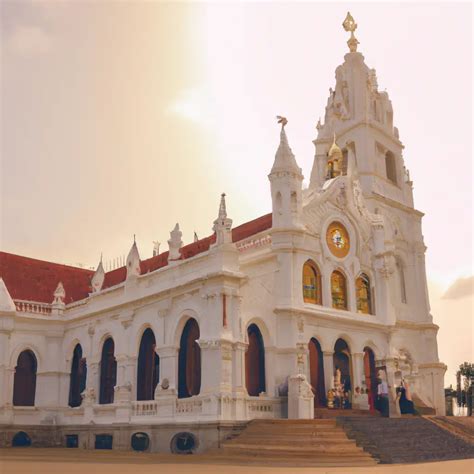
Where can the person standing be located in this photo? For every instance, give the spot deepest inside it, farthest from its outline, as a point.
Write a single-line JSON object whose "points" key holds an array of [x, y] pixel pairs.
{"points": [[382, 395]]}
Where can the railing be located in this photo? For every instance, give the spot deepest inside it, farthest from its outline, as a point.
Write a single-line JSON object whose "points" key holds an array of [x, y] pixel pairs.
{"points": [[263, 408], [23, 306], [146, 408]]}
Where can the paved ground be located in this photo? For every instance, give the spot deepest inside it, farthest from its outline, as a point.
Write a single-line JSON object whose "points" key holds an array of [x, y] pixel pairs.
{"points": [[63, 461]]}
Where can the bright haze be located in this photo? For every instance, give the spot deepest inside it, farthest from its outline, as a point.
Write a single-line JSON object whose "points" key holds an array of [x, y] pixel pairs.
{"points": [[123, 118]]}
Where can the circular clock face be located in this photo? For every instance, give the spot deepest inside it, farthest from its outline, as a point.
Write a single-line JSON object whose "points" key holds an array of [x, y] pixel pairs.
{"points": [[337, 239]]}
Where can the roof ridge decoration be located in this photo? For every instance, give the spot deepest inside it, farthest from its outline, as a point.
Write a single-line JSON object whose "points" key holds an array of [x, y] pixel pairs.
{"points": [[97, 280], [175, 243], [133, 261], [6, 302]]}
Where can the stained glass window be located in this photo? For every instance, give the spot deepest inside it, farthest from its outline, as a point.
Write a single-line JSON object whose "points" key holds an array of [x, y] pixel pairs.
{"points": [[311, 284], [338, 290], [364, 302]]}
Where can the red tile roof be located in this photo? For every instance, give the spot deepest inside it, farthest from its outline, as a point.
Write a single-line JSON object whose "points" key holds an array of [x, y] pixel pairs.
{"points": [[35, 280]]}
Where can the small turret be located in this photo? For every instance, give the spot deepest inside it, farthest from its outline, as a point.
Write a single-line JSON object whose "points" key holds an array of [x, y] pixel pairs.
{"points": [[223, 225], [286, 184], [133, 261], [98, 277], [6, 302]]}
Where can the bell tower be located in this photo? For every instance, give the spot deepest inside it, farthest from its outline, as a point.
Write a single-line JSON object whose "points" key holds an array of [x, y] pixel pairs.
{"points": [[361, 117]]}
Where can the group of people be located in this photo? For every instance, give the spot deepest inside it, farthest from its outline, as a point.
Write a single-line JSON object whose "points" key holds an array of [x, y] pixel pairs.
{"points": [[341, 397]]}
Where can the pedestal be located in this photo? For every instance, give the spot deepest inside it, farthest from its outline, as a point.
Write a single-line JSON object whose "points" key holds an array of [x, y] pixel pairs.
{"points": [[300, 398]]}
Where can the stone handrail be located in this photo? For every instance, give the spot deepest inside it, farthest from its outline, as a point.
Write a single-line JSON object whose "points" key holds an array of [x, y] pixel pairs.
{"points": [[33, 307]]}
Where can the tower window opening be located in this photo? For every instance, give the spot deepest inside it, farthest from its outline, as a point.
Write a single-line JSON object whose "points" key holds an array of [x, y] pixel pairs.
{"points": [[391, 167]]}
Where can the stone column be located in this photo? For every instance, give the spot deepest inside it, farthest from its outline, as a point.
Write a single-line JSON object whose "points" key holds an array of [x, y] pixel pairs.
{"points": [[391, 369], [90, 396], [328, 363], [357, 369], [216, 366], [238, 372], [169, 367]]}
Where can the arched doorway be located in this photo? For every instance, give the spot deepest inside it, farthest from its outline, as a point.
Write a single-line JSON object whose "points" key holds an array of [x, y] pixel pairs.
{"points": [[148, 372], [24, 381], [77, 382], [370, 375], [189, 361], [108, 372], [21, 439], [255, 362], [316, 369], [342, 361]]}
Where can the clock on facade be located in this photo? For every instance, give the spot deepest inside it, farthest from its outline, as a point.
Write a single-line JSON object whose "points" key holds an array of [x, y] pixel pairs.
{"points": [[337, 239]]}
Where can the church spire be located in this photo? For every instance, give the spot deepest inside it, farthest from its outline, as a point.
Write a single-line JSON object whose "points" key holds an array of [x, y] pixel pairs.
{"points": [[284, 157]]}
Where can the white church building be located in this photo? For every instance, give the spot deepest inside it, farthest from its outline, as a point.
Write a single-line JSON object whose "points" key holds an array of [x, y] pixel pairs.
{"points": [[203, 337]]}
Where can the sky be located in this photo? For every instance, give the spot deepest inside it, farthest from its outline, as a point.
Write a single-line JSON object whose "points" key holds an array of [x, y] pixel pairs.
{"points": [[123, 118]]}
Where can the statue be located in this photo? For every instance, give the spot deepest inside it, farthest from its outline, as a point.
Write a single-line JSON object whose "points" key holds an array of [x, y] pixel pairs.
{"points": [[330, 398]]}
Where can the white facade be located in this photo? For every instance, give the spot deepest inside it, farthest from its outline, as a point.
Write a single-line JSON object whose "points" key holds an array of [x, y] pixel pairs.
{"points": [[258, 279]]}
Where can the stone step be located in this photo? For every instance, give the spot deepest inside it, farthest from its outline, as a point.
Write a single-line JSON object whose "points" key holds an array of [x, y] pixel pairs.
{"points": [[340, 439], [315, 442], [411, 439], [292, 453], [316, 448], [292, 462]]}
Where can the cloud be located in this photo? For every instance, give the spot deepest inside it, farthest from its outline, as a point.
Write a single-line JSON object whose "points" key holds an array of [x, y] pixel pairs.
{"points": [[29, 40], [461, 288]]}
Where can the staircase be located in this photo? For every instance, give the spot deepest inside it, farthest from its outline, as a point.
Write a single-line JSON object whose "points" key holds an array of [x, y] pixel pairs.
{"points": [[405, 440], [294, 443]]}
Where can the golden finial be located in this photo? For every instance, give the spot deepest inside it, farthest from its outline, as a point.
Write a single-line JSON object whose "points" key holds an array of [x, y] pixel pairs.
{"points": [[350, 25], [282, 120]]}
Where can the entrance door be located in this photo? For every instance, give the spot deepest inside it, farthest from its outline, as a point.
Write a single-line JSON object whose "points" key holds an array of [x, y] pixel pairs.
{"points": [[316, 369]]}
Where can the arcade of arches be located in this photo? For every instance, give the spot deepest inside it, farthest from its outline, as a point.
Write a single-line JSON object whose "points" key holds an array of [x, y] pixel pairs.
{"points": [[341, 381], [340, 369]]}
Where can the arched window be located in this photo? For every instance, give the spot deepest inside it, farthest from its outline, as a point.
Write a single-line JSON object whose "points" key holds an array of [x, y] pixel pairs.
{"points": [[24, 381], [108, 372], [391, 167], [338, 290], [342, 366], [279, 202], [294, 202], [77, 382], [401, 278], [311, 283], [189, 361], [363, 295], [148, 372], [255, 362], [370, 376], [316, 370]]}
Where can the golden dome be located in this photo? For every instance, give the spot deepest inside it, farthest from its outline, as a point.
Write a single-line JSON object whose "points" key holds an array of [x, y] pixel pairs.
{"points": [[335, 152]]}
